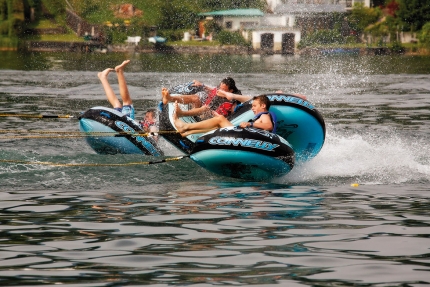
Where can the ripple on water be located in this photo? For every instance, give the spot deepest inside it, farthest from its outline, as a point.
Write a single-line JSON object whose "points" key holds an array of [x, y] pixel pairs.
{"points": [[177, 224]]}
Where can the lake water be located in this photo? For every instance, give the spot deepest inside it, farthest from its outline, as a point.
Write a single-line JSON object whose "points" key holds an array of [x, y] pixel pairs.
{"points": [[356, 215]]}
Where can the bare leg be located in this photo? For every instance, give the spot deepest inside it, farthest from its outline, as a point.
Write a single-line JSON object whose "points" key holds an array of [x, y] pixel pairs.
{"points": [[113, 100], [183, 99], [203, 126], [123, 89], [192, 112]]}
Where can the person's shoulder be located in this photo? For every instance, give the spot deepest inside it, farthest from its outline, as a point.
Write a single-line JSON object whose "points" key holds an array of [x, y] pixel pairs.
{"points": [[265, 114], [263, 118]]}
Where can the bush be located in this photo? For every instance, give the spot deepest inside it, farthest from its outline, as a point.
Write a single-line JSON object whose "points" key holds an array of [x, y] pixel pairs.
{"points": [[212, 27], [172, 35], [231, 38], [4, 28], [16, 29], [397, 47], [7, 42], [424, 35], [322, 37], [115, 35], [17, 26]]}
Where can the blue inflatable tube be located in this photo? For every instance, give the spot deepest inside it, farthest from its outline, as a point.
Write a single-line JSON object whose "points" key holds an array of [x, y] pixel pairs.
{"points": [[245, 153], [298, 122], [98, 122]]}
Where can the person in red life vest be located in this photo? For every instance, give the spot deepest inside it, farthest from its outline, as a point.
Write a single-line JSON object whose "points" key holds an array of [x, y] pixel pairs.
{"points": [[263, 119], [207, 101], [150, 124]]}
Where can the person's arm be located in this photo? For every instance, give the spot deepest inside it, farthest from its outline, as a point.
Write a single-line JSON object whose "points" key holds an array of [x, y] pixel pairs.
{"points": [[263, 123], [200, 84], [230, 96]]}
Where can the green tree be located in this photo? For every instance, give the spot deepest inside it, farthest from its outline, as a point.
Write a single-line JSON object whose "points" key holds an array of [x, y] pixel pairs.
{"points": [[3, 10], [178, 14], [414, 13], [232, 4], [361, 17], [10, 17], [424, 36]]}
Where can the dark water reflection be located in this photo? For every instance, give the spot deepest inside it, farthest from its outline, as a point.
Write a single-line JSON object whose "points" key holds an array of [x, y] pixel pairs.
{"points": [[214, 233], [194, 63], [175, 224]]}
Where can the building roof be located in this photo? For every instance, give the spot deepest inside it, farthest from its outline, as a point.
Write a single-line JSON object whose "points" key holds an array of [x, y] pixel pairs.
{"points": [[235, 12], [309, 8]]}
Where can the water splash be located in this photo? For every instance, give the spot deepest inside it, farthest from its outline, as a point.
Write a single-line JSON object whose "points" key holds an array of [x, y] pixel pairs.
{"points": [[372, 158]]}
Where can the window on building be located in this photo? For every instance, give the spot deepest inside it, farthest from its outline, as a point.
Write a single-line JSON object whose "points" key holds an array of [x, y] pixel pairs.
{"points": [[248, 25], [229, 24]]}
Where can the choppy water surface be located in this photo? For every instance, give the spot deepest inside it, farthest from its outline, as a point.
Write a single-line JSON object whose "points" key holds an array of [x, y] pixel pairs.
{"points": [[175, 224]]}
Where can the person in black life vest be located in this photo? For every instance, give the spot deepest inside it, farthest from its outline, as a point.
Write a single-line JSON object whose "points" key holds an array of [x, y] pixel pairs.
{"points": [[205, 102], [260, 106]]}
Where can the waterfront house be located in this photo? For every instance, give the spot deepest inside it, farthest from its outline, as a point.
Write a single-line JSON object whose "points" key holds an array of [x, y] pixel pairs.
{"points": [[285, 23]]}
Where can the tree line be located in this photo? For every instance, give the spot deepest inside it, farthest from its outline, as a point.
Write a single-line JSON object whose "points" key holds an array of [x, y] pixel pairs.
{"points": [[175, 16]]}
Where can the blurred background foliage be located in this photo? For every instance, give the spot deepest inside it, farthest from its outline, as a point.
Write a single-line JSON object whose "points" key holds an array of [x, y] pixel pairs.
{"points": [[174, 17]]}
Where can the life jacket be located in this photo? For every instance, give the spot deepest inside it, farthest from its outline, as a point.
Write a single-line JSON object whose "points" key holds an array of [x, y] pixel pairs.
{"points": [[272, 118], [147, 124], [224, 108], [211, 96]]}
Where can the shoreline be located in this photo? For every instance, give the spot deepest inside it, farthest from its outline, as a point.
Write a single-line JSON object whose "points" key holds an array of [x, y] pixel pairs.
{"points": [[96, 47]]}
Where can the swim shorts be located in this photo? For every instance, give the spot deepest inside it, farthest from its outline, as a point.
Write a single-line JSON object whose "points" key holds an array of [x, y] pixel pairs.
{"points": [[127, 110]]}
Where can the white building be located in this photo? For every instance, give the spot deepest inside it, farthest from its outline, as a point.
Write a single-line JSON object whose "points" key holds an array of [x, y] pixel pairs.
{"points": [[281, 30], [347, 3]]}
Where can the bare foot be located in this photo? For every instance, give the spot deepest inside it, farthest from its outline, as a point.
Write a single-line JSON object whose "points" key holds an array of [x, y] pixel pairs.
{"points": [[179, 124], [120, 68], [197, 83], [103, 74], [165, 94]]}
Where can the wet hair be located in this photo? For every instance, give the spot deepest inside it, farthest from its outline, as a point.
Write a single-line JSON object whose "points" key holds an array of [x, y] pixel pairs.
{"points": [[231, 84], [263, 100], [152, 112]]}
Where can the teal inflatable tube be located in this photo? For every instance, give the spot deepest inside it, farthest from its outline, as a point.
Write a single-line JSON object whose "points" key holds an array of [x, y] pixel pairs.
{"points": [[299, 122], [99, 122]]}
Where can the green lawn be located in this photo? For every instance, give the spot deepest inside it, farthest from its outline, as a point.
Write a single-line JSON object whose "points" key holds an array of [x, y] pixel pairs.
{"points": [[43, 24], [56, 38], [194, 43]]}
